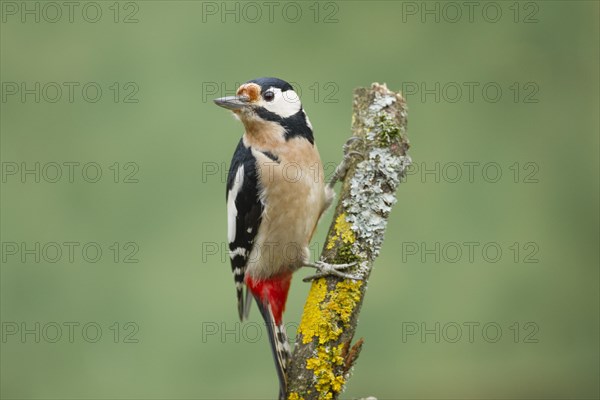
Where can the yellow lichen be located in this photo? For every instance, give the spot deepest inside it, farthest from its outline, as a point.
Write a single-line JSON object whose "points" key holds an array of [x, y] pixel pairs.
{"points": [[312, 317], [327, 314], [322, 367], [320, 317], [325, 317], [343, 230], [343, 300], [295, 396]]}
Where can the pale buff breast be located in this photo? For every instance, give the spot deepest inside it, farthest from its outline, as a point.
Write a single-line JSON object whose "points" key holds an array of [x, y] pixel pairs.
{"points": [[294, 196]]}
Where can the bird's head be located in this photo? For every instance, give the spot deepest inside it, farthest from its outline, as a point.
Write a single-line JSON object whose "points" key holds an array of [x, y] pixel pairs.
{"points": [[267, 103]]}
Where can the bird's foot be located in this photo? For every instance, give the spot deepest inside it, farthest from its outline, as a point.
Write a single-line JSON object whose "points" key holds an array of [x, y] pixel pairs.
{"points": [[326, 269], [342, 169]]}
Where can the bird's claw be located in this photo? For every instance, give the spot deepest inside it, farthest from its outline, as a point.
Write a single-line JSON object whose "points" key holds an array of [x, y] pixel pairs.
{"points": [[350, 142], [342, 168], [326, 269]]}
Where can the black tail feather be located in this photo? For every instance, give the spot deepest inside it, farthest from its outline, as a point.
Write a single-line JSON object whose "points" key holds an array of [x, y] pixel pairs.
{"points": [[279, 345], [244, 305]]}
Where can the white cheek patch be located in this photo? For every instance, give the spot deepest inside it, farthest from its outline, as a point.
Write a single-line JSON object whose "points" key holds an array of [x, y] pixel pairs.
{"points": [[284, 104], [290, 96]]}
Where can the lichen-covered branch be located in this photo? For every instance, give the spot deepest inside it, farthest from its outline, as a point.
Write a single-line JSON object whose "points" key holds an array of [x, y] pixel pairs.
{"points": [[324, 355]]}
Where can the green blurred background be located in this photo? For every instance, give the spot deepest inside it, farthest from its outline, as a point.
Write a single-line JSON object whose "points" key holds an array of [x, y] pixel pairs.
{"points": [[179, 296]]}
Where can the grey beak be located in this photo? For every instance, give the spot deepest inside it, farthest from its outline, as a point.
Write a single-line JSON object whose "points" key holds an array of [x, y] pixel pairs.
{"points": [[232, 102]]}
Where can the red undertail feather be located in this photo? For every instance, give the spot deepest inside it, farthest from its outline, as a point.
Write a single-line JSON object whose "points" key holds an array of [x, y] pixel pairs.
{"points": [[274, 291]]}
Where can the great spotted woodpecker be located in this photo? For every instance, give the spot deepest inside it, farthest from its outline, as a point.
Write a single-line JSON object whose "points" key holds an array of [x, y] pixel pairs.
{"points": [[275, 196]]}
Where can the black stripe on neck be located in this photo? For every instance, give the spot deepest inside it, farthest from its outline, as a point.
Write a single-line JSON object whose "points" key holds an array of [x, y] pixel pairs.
{"points": [[294, 125]]}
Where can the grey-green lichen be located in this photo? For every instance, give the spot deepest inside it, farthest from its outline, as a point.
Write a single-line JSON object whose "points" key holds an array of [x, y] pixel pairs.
{"points": [[374, 183], [387, 129]]}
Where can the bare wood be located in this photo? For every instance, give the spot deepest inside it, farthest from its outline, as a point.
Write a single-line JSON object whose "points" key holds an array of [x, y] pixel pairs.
{"points": [[323, 354]]}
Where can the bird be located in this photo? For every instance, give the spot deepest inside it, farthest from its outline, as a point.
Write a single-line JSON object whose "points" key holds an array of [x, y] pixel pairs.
{"points": [[275, 195]]}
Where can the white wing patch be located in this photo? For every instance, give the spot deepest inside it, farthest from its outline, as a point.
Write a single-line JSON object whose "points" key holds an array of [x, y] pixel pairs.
{"points": [[240, 251], [231, 209]]}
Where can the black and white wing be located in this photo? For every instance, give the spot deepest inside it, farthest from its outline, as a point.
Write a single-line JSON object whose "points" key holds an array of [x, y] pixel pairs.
{"points": [[244, 211]]}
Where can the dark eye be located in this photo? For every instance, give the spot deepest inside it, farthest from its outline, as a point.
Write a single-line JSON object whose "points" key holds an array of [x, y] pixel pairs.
{"points": [[269, 96]]}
